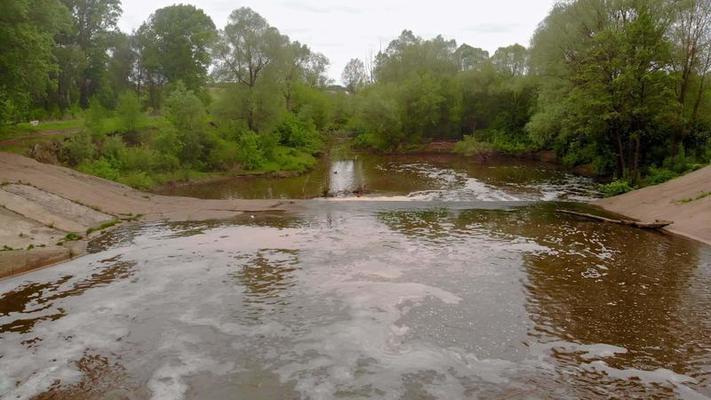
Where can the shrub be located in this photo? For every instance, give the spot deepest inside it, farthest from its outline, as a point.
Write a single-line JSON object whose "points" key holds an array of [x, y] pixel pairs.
{"points": [[615, 188], [250, 153], [138, 180], [114, 149], [656, 176], [298, 133], [185, 110], [78, 149], [129, 112], [94, 118], [224, 155], [139, 159], [470, 146], [290, 159], [101, 168]]}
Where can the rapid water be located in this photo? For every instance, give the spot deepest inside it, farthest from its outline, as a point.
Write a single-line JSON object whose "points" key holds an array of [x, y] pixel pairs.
{"points": [[459, 286]]}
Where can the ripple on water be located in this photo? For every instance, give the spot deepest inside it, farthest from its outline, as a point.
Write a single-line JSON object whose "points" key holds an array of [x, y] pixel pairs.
{"points": [[376, 303]]}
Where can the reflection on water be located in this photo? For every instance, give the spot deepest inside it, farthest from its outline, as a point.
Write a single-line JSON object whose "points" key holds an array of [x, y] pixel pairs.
{"points": [[37, 302], [351, 301], [266, 277], [434, 177]]}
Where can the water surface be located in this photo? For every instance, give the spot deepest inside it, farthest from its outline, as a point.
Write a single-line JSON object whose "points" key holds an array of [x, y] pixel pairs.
{"points": [[473, 290], [419, 177]]}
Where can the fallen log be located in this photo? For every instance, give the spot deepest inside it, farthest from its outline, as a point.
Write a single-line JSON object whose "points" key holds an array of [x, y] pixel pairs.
{"points": [[643, 225]]}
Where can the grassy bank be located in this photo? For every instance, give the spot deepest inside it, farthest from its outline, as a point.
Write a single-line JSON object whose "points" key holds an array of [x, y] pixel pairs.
{"points": [[147, 151]]}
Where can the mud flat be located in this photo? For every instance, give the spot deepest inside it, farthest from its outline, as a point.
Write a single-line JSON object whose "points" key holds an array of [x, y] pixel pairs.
{"points": [[684, 200], [46, 211]]}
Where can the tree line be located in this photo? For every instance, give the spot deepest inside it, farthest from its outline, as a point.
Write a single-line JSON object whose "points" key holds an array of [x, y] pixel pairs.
{"points": [[618, 86], [178, 95]]}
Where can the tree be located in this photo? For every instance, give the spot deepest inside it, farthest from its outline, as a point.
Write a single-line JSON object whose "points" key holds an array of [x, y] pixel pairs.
{"points": [[26, 62], [94, 21], [175, 46], [247, 46], [469, 57], [186, 112], [691, 33], [512, 60], [354, 76], [605, 86], [120, 68]]}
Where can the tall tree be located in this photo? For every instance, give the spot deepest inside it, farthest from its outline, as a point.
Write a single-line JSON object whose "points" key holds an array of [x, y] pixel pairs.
{"points": [[247, 46], [93, 23], [247, 50], [691, 33], [469, 57], [175, 46], [354, 75], [512, 60], [606, 86], [26, 31]]}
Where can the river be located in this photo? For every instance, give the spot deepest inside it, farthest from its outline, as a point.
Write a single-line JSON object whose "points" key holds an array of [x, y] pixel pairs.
{"points": [[418, 278]]}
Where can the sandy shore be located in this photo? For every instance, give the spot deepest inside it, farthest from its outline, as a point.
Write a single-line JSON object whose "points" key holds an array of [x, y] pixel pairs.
{"points": [[680, 200], [40, 204]]}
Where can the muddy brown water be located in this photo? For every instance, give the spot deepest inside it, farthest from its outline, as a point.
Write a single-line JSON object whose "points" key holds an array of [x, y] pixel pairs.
{"points": [[471, 287], [424, 177]]}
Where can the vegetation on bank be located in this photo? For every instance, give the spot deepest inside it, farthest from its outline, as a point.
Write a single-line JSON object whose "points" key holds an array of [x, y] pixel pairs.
{"points": [[144, 110], [618, 86]]}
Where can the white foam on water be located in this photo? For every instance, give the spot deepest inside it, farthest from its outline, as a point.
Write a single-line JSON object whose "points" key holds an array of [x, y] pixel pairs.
{"points": [[167, 382]]}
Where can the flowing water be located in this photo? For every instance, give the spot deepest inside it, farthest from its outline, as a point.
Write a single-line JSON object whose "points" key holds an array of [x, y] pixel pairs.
{"points": [[417, 177], [458, 282]]}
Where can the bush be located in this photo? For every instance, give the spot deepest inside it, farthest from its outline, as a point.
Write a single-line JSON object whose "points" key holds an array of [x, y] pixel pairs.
{"points": [[138, 180], [94, 118], [250, 153], [114, 149], [101, 168], [129, 112], [470, 146], [616, 188], [656, 176], [224, 155], [298, 133], [290, 159], [185, 110], [139, 159], [79, 149]]}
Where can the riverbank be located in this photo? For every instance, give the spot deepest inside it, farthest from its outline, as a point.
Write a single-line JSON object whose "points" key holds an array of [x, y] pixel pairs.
{"points": [[48, 212], [684, 200]]}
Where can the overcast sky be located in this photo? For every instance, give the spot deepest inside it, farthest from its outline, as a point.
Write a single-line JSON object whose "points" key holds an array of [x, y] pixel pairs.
{"points": [[343, 29]]}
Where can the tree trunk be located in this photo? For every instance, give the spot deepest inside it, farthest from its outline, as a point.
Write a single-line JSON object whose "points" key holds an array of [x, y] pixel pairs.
{"points": [[635, 164], [621, 165]]}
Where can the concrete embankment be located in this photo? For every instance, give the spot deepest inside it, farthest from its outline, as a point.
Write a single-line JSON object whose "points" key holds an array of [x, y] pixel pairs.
{"points": [[684, 200], [47, 211]]}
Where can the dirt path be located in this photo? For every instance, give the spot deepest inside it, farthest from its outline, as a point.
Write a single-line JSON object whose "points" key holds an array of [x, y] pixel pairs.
{"points": [[42, 204], [680, 200], [35, 135]]}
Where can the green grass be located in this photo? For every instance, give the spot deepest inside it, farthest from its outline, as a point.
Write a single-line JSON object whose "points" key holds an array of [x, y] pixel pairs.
{"points": [[103, 226], [702, 195], [70, 237], [616, 188], [25, 129]]}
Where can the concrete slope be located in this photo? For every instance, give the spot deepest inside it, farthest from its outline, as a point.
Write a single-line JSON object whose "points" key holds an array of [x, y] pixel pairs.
{"points": [[120, 200], [675, 200], [40, 204]]}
